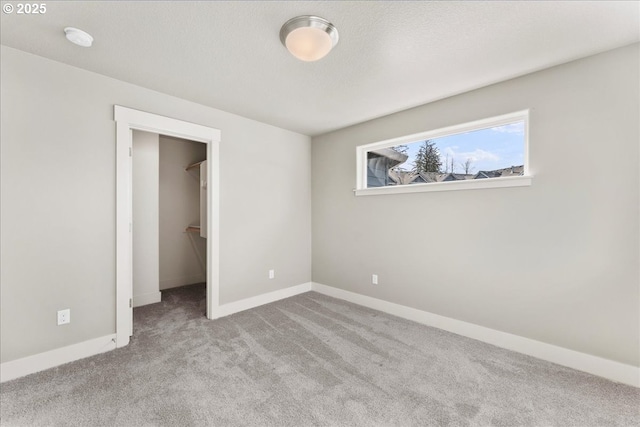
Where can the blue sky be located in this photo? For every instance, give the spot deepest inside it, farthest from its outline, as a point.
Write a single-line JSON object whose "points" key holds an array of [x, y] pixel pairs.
{"points": [[489, 149]]}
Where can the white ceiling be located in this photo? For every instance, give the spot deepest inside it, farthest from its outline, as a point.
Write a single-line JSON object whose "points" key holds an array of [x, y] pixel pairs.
{"points": [[391, 55]]}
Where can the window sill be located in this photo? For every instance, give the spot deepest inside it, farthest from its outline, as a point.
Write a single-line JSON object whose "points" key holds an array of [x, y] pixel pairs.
{"points": [[476, 184]]}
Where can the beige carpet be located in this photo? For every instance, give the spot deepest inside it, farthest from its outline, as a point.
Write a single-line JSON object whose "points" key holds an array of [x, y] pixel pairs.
{"points": [[309, 360]]}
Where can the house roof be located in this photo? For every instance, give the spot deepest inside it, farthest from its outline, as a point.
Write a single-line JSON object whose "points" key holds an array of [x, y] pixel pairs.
{"points": [[431, 176], [402, 177], [457, 176], [510, 171], [397, 157]]}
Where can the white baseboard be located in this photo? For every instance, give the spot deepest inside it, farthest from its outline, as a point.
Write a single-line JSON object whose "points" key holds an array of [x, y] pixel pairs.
{"points": [[49, 359], [39, 362], [595, 365], [248, 303], [145, 299], [181, 281]]}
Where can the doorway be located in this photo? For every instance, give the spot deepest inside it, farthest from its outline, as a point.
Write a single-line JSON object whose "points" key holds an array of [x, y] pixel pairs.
{"points": [[169, 216], [127, 120]]}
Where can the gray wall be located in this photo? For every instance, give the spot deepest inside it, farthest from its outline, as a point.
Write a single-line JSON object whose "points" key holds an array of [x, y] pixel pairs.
{"points": [[180, 252], [556, 262], [58, 201]]}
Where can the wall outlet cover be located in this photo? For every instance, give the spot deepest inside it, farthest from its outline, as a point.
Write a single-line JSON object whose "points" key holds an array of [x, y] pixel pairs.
{"points": [[64, 316]]}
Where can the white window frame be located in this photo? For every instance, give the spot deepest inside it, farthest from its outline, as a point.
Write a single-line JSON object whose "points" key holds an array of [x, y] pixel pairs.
{"points": [[515, 181]]}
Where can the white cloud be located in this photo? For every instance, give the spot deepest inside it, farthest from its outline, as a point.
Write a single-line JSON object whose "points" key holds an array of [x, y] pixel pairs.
{"points": [[510, 128], [476, 155]]}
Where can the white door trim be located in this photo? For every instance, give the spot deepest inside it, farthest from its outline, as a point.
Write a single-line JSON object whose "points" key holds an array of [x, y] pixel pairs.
{"points": [[127, 120]]}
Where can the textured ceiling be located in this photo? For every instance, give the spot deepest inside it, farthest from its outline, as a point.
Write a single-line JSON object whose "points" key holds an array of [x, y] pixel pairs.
{"points": [[391, 55]]}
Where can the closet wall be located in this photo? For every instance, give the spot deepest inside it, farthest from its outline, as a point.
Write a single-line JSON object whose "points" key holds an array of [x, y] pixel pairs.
{"points": [[182, 254], [145, 218]]}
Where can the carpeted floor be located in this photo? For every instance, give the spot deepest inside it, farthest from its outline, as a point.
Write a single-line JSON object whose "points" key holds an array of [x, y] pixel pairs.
{"points": [[305, 361]]}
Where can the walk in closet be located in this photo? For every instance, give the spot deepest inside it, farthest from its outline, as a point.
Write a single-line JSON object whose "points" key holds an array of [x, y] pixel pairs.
{"points": [[169, 215]]}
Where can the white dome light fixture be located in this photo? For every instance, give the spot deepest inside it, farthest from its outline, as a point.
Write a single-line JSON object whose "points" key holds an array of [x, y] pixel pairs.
{"points": [[78, 37], [308, 38]]}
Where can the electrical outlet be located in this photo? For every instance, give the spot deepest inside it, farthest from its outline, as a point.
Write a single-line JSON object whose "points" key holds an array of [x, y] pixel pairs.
{"points": [[374, 279], [64, 316], [272, 274]]}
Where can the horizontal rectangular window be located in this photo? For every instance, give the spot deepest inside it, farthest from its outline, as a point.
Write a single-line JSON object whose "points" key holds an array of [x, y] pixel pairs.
{"points": [[486, 153]]}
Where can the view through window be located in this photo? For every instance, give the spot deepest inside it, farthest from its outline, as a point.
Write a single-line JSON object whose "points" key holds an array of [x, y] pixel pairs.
{"points": [[485, 153]]}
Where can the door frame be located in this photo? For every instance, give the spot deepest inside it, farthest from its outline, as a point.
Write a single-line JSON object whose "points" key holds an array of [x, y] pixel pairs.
{"points": [[127, 120]]}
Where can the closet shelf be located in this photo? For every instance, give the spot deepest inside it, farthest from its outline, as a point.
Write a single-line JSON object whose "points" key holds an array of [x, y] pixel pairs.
{"points": [[194, 165], [193, 229]]}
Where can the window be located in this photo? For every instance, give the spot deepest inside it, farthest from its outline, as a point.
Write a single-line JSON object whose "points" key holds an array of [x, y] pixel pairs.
{"points": [[486, 153]]}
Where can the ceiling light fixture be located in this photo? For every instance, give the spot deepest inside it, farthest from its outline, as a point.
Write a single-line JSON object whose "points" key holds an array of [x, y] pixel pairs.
{"points": [[78, 37], [308, 38]]}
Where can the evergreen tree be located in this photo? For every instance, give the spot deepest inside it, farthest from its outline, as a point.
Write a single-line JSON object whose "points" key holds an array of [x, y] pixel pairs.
{"points": [[428, 158]]}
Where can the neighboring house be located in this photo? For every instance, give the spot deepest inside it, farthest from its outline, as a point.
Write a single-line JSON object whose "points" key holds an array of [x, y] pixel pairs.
{"points": [[379, 165], [402, 177], [488, 174], [501, 173], [457, 177], [426, 177], [378, 176]]}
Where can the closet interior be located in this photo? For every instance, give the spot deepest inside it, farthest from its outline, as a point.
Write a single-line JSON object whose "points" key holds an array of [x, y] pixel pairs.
{"points": [[169, 227]]}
